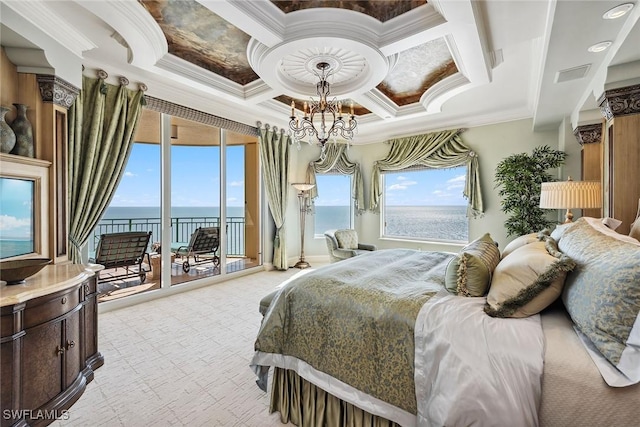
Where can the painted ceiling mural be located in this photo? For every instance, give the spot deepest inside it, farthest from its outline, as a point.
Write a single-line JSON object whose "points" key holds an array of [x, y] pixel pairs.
{"points": [[197, 35], [201, 37], [382, 10], [417, 70]]}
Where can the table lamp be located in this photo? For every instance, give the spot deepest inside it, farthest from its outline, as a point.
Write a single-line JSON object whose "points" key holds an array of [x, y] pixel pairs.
{"points": [[570, 195]]}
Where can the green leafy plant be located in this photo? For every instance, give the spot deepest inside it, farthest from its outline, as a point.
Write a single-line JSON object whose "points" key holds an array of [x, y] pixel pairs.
{"points": [[520, 176]]}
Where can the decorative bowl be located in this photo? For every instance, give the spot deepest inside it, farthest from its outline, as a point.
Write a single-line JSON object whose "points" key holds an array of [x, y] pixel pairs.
{"points": [[15, 272]]}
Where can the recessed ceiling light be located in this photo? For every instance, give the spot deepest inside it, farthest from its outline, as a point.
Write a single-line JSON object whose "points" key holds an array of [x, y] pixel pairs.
{"points": [[618, 11], [599, 47]]}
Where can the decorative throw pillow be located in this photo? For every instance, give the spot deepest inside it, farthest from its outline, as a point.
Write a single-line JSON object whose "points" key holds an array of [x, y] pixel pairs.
{"points": [[635, 229], [519, 242], [602, 296], [528, 280], [347, 239], [598, 225], [469, 273]]}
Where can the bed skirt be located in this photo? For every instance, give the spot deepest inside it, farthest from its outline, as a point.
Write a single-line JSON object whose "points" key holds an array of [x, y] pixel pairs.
{"points": [[305, 405]]}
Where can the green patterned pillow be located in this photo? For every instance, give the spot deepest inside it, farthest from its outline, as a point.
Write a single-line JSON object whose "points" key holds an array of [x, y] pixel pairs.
{"points": [[528, 280], [602, 295], [469, 273], [347, 239]]}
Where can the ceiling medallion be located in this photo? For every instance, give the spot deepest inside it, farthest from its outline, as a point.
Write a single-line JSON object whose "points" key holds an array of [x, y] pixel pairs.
{"points": [[326, 114]]}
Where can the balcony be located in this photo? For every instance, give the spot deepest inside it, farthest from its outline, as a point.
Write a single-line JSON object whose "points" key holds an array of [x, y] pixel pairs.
{"points": [[182, 228]]}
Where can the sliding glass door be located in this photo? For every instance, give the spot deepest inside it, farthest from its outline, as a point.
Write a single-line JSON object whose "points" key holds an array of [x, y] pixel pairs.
{"points": [[196, 189]]}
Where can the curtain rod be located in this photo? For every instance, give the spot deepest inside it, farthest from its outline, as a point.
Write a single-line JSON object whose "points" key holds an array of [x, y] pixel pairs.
{"points": [[102, 74]]}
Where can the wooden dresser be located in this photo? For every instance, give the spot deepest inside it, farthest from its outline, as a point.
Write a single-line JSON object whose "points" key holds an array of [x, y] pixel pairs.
{"points": [[48, 344]]}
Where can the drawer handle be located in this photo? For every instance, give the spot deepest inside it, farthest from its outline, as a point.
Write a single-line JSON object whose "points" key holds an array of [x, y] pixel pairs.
{"points": [[59, 350], [70, 344], [86, 290], [64, 300]]}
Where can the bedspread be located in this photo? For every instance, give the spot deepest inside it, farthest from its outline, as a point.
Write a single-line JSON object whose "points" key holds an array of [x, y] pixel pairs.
{"points": [[472, 369], [354, 320]]}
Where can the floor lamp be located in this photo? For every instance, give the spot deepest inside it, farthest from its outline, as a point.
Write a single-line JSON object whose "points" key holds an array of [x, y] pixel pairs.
{"points": [[303, 200], [570, 195]]}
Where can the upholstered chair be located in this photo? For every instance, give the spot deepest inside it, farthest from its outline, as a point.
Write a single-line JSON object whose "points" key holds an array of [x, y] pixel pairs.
{"points": [[343, 244]]}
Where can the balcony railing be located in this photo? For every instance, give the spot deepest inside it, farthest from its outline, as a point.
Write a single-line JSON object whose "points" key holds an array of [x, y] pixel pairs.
{"points": [[181, 230]]}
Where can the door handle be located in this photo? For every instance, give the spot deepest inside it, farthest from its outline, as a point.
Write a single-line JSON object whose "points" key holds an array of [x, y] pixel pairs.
{"points": [[70, 344], [59, 350]]}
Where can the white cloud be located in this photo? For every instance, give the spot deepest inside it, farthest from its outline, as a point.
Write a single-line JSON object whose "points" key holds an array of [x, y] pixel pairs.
{"points": [[401, 178], [401, 186], [232, 199], [11, 222], [459, 178], [438, 192], [127, 173], [236, 183]]}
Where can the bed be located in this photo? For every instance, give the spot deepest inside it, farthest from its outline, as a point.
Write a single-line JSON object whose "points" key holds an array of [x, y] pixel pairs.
{"points": [[354, 343]]}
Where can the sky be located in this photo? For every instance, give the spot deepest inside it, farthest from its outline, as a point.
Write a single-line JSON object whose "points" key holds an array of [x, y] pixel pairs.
{"points": [[195, 181], [195, 176], [16, 208], [435, 187]]}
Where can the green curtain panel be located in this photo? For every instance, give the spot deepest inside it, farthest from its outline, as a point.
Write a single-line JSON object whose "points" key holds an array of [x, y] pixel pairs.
{"points": [[336, 161], [102, 122], [274, 156], [433, 150]]}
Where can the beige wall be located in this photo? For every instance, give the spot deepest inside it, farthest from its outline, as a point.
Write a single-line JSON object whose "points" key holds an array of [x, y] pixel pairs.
{"points": [[492, 143]]}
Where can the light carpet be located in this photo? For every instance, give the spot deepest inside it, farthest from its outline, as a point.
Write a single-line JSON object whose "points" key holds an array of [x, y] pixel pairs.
{"points": [[181, 360]]}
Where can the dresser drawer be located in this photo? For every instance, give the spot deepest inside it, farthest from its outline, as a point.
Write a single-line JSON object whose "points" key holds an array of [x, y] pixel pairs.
{"points": [[41, 310]]}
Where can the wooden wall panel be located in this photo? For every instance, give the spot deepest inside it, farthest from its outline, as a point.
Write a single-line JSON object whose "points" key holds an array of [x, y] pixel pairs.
{"points": [[625, 157], [8, 84]]}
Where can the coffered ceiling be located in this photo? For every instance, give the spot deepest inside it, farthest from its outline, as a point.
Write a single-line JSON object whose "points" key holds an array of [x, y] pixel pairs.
{"points": [[409, 66]]}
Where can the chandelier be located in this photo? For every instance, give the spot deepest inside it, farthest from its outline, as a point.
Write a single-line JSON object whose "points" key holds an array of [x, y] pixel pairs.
{"points": [[322, 119]]}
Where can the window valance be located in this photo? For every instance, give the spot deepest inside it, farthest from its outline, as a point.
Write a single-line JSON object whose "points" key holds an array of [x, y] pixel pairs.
{"points": [[336, 161], [433, 150]]}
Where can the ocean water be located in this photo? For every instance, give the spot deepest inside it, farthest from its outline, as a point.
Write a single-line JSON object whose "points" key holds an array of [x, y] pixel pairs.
{"points": [[11, 247], [416, 222], [421, 222], [428, 222]]}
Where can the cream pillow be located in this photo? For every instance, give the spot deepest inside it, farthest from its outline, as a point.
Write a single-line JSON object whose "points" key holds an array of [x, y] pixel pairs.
{"points": [[635, 229], [469, 273], [528, 280], [519, 242]]}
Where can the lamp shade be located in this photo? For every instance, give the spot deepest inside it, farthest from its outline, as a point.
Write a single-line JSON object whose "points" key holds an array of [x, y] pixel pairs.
{"points": [[303, 186], [571, 195]]}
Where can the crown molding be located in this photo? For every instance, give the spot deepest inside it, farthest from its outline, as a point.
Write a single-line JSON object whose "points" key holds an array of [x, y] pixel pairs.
{"points": [[440, 92], [410, 29], [56, 90], [262, 20], [258, 91], [193, 73], [378, 103], [45, 17], [136, 26]]}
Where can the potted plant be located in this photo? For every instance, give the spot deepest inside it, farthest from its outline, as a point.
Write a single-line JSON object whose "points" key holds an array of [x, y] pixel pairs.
{"points": [[519, 177]]}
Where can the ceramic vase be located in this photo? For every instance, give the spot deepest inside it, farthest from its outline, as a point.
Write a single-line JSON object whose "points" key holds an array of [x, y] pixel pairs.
{"points": [[7, 137], [24, 133]]}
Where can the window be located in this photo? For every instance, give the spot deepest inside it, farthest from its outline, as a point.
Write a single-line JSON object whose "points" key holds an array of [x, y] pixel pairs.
{"points": [[333, 207], [426, 205]]}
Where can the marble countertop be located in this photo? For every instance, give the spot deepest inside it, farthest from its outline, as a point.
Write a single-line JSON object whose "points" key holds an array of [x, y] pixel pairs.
{"points": [[51, 278]]}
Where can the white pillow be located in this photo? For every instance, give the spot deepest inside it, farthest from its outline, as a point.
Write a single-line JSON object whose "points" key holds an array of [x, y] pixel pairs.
{"points": [[597, 224]]}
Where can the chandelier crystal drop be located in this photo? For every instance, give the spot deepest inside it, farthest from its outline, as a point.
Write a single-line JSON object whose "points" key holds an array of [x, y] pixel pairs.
{"points": [[322, 119]]}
